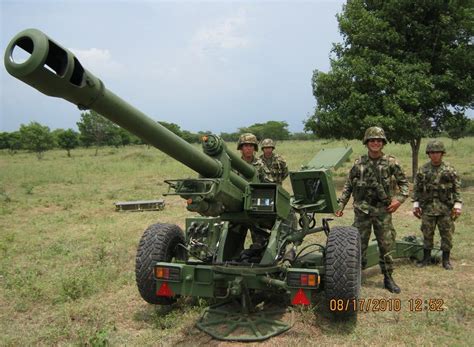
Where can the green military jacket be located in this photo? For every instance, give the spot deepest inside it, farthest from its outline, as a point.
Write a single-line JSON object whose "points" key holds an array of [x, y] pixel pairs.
{"points": [[274, 168], [373, 183], [437, 188], [258, 164]]}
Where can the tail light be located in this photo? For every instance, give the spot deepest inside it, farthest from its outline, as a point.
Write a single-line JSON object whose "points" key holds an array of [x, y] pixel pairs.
{"points": [[167, 273], [302, 279]]}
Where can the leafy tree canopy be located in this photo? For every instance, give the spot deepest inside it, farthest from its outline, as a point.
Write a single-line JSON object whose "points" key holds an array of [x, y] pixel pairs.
{"points": [[97, 130], [67, 139], [36, 137], [271, 129], [404, 65]]}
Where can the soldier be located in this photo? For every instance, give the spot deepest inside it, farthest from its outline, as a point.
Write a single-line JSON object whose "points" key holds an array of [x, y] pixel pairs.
{"points": [[437, 201], [370, 181], [248, 145], [274, 166]]}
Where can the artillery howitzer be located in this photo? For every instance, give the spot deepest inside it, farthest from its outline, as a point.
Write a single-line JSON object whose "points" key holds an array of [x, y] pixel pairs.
{"points": [[209, 259]]}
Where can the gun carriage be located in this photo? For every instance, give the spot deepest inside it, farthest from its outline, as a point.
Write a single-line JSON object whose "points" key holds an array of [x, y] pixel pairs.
{"points": [[210, 259]]}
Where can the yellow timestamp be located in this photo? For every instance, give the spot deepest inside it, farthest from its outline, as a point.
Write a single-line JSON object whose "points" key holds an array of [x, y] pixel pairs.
{"points": [[426, 305], [386, 304], [365, 305]]}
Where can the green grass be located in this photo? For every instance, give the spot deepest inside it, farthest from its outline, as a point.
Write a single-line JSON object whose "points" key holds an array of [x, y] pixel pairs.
{"points": [[67, 258]]}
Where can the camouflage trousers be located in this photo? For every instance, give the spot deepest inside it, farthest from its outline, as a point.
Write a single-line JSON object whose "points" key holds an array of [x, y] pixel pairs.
{"points": [[446, 230], [384, 233]]}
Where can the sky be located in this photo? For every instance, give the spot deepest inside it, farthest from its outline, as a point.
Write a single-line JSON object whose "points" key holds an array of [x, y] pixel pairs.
{"points": [[204, 65]]}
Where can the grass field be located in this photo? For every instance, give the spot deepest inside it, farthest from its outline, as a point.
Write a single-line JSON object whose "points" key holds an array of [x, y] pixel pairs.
{"points": [[67, 258]]}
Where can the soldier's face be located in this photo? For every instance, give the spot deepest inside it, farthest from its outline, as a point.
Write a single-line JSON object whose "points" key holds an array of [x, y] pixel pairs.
{"points": [[436, 157], [375, 145], [267, 152], [247, 150]]}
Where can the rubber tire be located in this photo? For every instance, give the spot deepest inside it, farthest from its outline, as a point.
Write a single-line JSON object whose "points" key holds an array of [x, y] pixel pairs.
{"points": [[343, 270], [159, 243]]}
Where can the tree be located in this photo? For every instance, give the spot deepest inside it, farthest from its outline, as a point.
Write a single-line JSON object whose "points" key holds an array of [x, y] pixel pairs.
{"points": [[302, 136], [174, 128], [229, 137], [67, 139], [404, 65], [184, 134], [456, 126], [4, 140], [14, 142], [271, 129], [127, 138], [96, 130], [193, 137], [36, 137], [470, 128]]}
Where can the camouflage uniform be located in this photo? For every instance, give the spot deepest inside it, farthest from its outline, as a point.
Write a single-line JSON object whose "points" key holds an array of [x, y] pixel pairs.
{"points": [[274, 168], [259, 235], [258, 165], [248, 138], [437, 191], [370, 183]]}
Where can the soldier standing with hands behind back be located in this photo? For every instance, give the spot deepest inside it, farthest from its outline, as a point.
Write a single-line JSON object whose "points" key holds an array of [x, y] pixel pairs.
{"points": [[274, 169], [369, 182], [437, 201]]}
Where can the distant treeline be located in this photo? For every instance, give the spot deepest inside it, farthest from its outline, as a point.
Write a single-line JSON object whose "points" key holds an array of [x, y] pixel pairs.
{"points": [[96, 131]]}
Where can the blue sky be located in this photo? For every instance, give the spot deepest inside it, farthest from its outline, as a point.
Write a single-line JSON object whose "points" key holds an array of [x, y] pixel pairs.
{"points": [[203, 65]]}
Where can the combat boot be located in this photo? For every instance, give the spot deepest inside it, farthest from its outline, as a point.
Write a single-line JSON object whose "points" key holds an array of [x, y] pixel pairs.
{"points": [[426, 258], [390, 285], [446, 264]]}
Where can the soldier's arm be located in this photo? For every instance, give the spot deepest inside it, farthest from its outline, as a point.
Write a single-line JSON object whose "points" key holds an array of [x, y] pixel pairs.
{"points": [[417, 188], [284, 169], [346, 191], [457, 193], [402, 183]]}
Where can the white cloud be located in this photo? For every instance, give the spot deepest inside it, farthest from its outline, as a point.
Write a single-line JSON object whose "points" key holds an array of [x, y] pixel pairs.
{"points": [[224, 34], [97, 60]]}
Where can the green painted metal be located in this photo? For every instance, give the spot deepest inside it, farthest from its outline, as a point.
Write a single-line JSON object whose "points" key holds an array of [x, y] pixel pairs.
{"points": [[140, 205], [329, 158], [228, 196], [408, 247], [55, 71], [228, 321], [313, 187], [314, 191]]}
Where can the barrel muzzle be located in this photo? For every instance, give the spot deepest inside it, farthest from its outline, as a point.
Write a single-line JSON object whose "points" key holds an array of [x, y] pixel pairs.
{"points": [[51, 69]]}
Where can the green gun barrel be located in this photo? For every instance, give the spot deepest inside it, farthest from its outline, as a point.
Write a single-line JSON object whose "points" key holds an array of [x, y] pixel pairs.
{"points": [[55, 71]]}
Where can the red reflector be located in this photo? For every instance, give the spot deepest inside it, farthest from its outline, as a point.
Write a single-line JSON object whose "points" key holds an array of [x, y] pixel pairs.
{"points": [[164, 290], [300, 298], [304, 279]]}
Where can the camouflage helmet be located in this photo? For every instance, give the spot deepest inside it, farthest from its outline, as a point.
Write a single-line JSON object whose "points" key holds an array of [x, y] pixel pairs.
{"points": [[267, 143], [435, 146], [247, 138], [374, 133]]}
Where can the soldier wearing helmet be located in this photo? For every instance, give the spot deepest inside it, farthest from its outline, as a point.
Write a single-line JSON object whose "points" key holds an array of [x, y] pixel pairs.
{"points": [[248, 145], [370, 184], [274, 166], [437, 201]]}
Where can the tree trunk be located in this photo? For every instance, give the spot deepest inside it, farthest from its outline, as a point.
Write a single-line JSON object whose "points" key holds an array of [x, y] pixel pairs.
{"points": [[415, 149], [69, 153]]}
